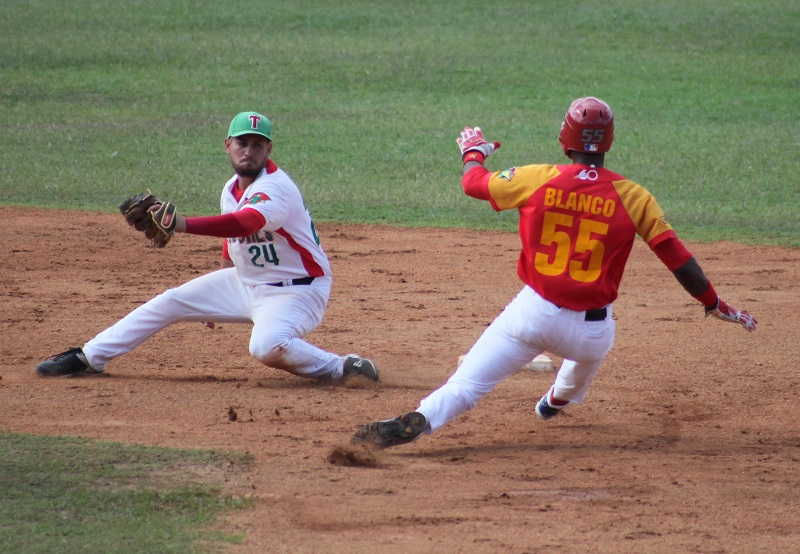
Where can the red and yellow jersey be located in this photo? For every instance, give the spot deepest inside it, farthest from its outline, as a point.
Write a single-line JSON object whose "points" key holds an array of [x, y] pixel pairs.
{"points": [[577, 224]]}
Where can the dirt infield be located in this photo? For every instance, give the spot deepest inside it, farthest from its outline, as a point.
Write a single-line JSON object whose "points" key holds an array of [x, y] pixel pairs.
{"points": [[688, 441]]}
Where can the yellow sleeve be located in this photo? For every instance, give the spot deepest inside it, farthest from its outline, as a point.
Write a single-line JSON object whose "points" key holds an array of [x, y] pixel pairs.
{"points": [[643, 209], [512, 187]]}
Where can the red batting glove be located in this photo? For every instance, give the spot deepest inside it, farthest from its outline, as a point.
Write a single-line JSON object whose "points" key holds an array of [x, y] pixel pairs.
{"points": [[728, 313], [471, 139]]}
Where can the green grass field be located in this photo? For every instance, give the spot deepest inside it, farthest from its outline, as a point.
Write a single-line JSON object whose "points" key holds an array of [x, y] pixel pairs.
{"points": [[100, 99], [74, 495], [103, 98]]}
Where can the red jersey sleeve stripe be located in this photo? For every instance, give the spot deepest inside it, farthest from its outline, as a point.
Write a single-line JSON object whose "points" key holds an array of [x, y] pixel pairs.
{"points": [[312, 267], [661, 237], [225, 254]]}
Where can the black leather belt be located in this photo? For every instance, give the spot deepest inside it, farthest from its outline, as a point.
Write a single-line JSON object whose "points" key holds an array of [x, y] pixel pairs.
{"points": [[596, 315], [300, 281]]}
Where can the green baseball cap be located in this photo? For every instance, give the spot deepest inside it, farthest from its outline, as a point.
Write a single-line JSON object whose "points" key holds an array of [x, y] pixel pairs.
{"points": [[250, 123]]}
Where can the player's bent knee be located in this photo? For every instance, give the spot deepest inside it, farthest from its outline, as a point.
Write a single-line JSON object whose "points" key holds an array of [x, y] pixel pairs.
{"points": [[269, 351]]}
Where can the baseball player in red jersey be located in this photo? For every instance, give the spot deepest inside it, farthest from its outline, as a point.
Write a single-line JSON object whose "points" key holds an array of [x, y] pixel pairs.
{"points": [[275, 274], [577, 224]]}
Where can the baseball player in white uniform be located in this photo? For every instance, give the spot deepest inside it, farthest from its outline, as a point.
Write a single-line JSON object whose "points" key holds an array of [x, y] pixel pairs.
{"points": [[275, 274]]}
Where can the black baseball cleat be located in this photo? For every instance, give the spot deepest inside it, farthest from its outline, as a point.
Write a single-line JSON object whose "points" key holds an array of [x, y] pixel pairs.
{"points": [[356, 365], [67, 364], [544, 410], [391, 432]]}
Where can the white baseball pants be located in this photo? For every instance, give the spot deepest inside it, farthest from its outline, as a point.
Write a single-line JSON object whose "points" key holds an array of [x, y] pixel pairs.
{"points": [[280, 315], [528, 326]]}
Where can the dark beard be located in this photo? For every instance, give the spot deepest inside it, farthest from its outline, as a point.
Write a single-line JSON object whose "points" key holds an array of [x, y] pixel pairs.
{"points": [[251, 173]]}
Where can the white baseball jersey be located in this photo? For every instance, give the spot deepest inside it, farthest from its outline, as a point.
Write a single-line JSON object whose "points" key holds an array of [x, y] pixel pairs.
{"points": [[287, 247]]}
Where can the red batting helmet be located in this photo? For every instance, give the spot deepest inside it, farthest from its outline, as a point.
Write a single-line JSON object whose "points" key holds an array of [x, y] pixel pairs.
{"points": [[588, 126]]}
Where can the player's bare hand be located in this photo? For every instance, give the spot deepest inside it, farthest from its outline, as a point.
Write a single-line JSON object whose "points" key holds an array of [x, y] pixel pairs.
{"points": [[726, 312], [471, 139]]}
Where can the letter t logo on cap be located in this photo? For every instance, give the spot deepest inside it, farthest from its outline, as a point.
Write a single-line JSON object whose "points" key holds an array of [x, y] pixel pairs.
{"points": [[254, 119]]}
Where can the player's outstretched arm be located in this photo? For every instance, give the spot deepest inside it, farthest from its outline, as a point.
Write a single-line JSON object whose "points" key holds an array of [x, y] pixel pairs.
{"points": [[691, 277], [240, 223]]}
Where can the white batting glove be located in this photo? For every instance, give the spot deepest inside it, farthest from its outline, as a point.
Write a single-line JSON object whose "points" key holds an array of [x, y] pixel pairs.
{"points": [[471, 139], [728, 313]]}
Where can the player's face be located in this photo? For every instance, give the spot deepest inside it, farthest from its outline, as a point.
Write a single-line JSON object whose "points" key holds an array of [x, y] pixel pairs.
{"points": [[248, 153]]}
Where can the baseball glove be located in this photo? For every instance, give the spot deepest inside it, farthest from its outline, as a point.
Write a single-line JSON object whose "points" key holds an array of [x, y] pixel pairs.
{"points": [[153, 217]]}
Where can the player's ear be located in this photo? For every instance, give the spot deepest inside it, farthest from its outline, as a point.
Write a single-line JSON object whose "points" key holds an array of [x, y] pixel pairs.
{"points": [[227, 144], [269, 147]]}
